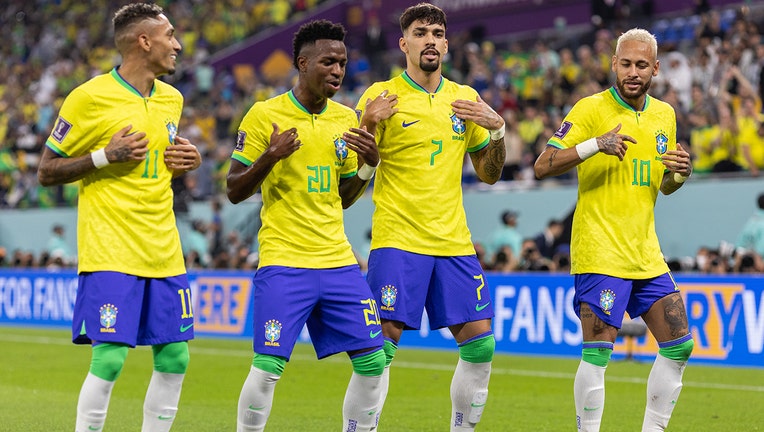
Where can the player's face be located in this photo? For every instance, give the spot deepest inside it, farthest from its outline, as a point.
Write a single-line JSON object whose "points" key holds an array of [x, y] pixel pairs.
{"points": [[634, 66], [324, 64], [164, 46], [424, 45]]}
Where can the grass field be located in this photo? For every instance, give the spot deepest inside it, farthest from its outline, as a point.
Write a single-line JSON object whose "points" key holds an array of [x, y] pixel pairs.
{"points": [[41, 373]]}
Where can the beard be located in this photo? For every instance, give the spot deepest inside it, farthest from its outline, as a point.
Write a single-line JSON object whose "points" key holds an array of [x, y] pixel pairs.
{"points": [[429, 66], [627, 94]]}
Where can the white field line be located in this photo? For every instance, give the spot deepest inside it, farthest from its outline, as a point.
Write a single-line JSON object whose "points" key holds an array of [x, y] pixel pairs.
{"points": [[43, 340]]}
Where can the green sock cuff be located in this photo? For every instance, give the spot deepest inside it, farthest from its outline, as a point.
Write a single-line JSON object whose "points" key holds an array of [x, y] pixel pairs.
{"points": [[171, 357], [596, 356], [107, 360], [370, 364], [269, 363], [390, 349], [478, 350], [679, 352]]}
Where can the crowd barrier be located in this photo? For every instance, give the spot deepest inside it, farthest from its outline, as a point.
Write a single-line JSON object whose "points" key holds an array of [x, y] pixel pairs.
{"points": [[534, 313]]}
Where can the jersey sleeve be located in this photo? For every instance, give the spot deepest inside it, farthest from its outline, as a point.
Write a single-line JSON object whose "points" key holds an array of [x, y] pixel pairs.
{"points": [[253, 136], [576, 127], [75, 134]]}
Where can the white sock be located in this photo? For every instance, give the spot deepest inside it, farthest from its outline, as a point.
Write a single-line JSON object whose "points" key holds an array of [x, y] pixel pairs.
{"points": [[359, 411], [384, 386], [469, 391], [161, 401], [93, 403], [255, 400], [663, 387], [589, 394]]}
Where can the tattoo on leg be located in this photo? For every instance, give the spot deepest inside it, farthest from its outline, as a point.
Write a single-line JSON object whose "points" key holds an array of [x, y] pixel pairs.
{"points": [[675, 315]]}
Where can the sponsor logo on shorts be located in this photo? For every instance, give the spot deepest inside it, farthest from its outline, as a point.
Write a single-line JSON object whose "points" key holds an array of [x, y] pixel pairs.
{"points": [[607, 299], [479, 307], [108, 318], [184, 328], [373, 334], [389, 297], [272, 333]]}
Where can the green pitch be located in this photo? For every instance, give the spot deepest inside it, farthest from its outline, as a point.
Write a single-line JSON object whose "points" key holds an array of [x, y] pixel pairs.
{"points": [[41, 373]]}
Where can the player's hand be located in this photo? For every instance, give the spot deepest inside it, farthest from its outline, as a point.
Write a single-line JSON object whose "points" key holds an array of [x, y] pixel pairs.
{"points": [[125, 146], [678, 161], [182, 156], [381, 108], [615, 144], [479, 112], [283, 144], [363, 143]]}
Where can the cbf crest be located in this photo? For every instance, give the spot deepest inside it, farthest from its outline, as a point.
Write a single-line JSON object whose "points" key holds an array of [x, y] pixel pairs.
{"points": [[389, 297], [661, 142], [607, 300], [272, 332], [458, 125], [172, 131], [108, 318], [340, 150]]}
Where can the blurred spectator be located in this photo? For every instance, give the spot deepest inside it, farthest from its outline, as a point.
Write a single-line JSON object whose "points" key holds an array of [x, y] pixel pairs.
{"points": [[547, 240], [507, 234], [58, 247], [751, 237], [197, 246], [532, 260]]}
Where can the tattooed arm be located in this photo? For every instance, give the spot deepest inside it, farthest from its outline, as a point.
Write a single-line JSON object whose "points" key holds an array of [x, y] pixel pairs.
{"points": [[553, 161], [489, 161]]}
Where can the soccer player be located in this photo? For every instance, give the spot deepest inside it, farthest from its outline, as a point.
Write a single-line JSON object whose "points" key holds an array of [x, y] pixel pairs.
{"points": [[303, 151], [117, 135], [623, 143], [422, 256]]}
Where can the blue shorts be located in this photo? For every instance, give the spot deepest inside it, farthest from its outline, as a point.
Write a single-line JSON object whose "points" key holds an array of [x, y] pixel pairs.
{"points": [[609, 297], [452, 289], [132, 310], [335, 303]]}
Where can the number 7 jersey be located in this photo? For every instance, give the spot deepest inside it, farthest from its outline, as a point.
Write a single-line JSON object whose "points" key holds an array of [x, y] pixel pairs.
{"points": [[418, 187]]}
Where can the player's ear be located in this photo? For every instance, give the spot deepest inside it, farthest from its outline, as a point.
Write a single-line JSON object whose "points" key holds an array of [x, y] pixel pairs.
{"points": [[403, 46], [656, 67]]}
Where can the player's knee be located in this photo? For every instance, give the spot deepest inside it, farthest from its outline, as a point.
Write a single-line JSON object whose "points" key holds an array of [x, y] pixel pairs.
{"points": [[171, 357], [107, 360], [597, 353], [678, 349], [479, 349], [390, 349], [269, 363], [369, 364]]}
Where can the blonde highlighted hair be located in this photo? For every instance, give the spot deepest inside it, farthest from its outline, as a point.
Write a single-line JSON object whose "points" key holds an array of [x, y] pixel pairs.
{"points": [[640, 35]]}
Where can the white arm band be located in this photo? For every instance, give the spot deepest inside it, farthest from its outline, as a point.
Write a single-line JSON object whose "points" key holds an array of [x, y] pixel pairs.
{"points": [[99, 158], [587, 148], [497, 134], [366, 172], [679, 179]]}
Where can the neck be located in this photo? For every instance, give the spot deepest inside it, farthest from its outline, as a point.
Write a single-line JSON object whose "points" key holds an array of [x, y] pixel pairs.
{"points": [[139, 77], [314, 104], [428, 80]]}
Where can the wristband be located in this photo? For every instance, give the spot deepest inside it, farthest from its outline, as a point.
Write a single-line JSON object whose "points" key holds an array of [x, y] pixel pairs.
{"points": [[587, 148], [99, 158], [366, 172], [497, 134], [679, 179]]}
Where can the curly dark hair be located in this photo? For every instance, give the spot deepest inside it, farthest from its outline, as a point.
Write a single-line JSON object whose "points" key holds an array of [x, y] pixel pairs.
{"points": [[133, 13], [311, 32], [425, 12]]}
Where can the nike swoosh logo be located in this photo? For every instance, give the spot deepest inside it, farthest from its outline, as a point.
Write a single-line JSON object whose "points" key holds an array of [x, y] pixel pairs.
{"points": [[254, 408], [184, 328], [474, 405], [94, 428], [405, 125], [373, 334], [165, 417], [479, 307], [591, 409]]}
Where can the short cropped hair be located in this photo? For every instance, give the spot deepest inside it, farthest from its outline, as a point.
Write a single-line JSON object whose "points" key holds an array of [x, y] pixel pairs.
{"points": [[315, 30], [641, 35], [133, 13], [425, 12]]}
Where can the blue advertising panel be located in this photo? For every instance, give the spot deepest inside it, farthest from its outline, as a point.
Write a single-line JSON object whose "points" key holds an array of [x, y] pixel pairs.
{"points": [[534, 313]]}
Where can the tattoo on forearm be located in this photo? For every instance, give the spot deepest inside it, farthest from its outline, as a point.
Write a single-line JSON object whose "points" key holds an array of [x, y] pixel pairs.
{"points": [[497, 154], [551, 158]]}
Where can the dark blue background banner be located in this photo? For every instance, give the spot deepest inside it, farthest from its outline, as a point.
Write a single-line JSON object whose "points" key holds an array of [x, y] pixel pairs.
{"points": [[534, 313]]}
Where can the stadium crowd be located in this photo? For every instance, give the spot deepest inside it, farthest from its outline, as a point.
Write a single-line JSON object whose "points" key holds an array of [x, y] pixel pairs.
{"points": [[712, 72]]}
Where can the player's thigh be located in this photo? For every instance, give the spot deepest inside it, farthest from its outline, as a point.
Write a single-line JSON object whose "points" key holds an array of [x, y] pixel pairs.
{"points": [[346, 317], [283, 298], [667, 318], [600, 302], [458, 292], [399, 281]]}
